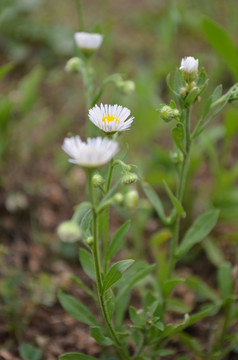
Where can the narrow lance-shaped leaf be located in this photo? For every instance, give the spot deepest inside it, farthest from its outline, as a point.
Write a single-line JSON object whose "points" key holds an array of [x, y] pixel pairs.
{"points": [[76, 309], [118, 239], [87, 263], [178, 136], [97, 333], [115, 273], [76, 356], [176, 203], [155, 200], [198, 231], [225, 280]]}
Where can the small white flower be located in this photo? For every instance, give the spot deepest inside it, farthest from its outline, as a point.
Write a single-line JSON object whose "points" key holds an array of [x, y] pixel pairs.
{"points": [[189, 64], [91, 154], [111, 118], [88, 41]]}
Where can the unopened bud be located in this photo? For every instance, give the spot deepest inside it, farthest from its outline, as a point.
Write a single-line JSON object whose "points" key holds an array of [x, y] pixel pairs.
{"points": [[74, 65], [16, 201], [183, 91], [167, 113], [131, 199], [89, 241], [129, 178], [177, 157], [97, 180], [118, 198], [69, 231], [127, 87]]}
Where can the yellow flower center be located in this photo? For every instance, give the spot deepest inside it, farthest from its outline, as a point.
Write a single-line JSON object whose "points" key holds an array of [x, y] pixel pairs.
{"points": [[110, 118]]}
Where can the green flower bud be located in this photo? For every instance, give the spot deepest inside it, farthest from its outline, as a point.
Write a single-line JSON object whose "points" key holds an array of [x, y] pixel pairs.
{"points": [[69, 231], [167, 113], [131, 199], [118, 198], [183, 91], [74, 65], [97, 180], [177, 157], [127, 87], [89, 241], [16, 201], [129, 178]]}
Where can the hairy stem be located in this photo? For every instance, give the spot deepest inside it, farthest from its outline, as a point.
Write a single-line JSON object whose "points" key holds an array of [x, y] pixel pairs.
{"points": [[180, 193], [96, 256]]}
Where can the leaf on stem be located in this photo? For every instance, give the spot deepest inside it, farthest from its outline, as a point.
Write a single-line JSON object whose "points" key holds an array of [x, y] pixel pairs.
{"points": [[115, 273], [198, 231], [76, 356], [155, 200], [97, 333], [225, 280], [29, 352], [118, 239], [76, 309], [178, 136], [86, 260], [176, 203]]}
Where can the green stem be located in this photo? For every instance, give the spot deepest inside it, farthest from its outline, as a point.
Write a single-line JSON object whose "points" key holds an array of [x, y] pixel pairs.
{"points": [[180, 193], [106, 217], [96, 255], [80, 14]]}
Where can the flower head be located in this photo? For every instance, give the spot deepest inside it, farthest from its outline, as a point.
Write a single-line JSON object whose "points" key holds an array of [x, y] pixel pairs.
{"points": [[111, 118], [91, 154], [88, 41], [189, 64]]}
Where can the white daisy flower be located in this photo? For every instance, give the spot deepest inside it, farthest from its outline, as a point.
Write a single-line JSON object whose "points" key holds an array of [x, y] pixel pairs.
{"points": [[88, 41], [111, 118], [91, 154], [189, 64]]}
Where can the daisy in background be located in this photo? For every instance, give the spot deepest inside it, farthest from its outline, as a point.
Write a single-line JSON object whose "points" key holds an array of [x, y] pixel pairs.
{"points": [[88, 41], [91, 154], [111, 118]]}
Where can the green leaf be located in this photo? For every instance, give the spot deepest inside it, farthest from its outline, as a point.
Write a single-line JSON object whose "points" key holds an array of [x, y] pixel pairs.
{"points": [[29, 352], [213, 251], [169, 285], [118, 239], [231, 123], [137, 272], [29, 87], [202, 288], [155, 200], [176, 203], [5, 69], [115, 273], [76, 356], [217, 93], [86, 223], [198, 231], [97, 333], [222, 43], [80, 210], [86, 260], [193, 344], [178, 136], [76, 309], [192, 96], [135, 317], [225, 280], [178, 82]]}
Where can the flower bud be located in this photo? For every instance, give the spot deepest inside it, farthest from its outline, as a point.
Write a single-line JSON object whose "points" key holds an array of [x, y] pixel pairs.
{"points": [[131, 199], [69, 231], [118, 198], [233, 93], [97, 180], [167, 113], [177, 157], [129, 178], [189, 67], [89, 241], [74, 65], [127, 87], [16, 201]]}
